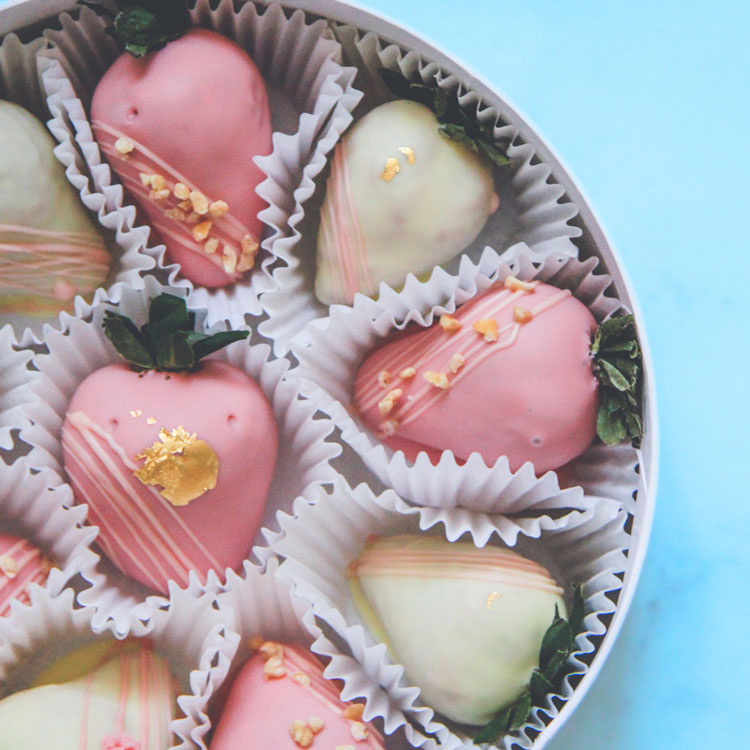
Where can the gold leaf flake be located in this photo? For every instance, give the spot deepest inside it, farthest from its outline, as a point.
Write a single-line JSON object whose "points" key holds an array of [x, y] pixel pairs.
{"points": [[392, 168], [408, 152], [151, 420], [491, 598], [136, 413], [184, 466]]}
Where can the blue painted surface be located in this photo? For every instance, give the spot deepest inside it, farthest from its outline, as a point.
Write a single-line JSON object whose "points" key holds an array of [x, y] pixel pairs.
{"points": [[648, 103]]}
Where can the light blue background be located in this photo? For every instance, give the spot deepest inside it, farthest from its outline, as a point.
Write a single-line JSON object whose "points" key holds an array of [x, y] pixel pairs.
{"points": [[649, 104]]}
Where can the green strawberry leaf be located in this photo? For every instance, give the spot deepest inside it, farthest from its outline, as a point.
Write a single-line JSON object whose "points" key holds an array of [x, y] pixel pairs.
{"points": [[175, 352], [150, 24], [167, 314], [557, 646], [618, 367], [455, 122], [128, 340], [218, 341]]}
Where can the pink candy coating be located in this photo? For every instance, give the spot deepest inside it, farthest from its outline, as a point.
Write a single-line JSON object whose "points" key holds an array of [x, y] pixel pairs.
{"points": [[259, 712], [534, 400], [21, 564], [142, 533], [201, 106]]}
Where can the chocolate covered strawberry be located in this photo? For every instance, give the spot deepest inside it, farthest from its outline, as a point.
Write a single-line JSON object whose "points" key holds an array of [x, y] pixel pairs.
{"points": [[181, 124], [173, 456]]}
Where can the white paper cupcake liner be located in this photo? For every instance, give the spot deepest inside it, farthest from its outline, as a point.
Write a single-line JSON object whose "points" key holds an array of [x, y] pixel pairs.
{"points": [[310, 95], [328, 365], [30, 509], [260, 603], [14, 375], [531, 207], [20, 82], [190, 635], [323, 537], [303, 457]]}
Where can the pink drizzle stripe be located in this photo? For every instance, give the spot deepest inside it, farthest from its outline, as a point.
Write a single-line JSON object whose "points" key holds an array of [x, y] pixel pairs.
{"points": [[124, 694], [84, 739], [28, 561], [227, 229], [171, 548], [345, 247], [439, 343]]}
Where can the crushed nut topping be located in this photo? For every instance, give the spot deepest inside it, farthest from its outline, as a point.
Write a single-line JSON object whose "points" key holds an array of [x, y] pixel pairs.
{"points": [[211, 246], [274, 668], [199, 201], [487, 327], [407, 373], [516, 285], [249, 245], [456, 363], [353, 711], [392, 168], [449, 323], [359, 730], [181, 191], [270, 649], [218, 209], [316, 723], [228, 259], [438, 379], [384, 377], [301, 678], [408, 152], [175, 213], [8, 566], [389, 427], [158, 195], [200, 231], [301, 733], [256, 642], [521, 314], [158, 182], [386, 404], [145, 179], [185, 205], [193, 218], [124, 146], [246, 262]]}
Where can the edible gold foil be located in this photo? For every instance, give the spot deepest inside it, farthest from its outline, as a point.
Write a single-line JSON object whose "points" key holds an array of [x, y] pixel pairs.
{"points": [[392, 168], [491, 598], [408, 152], [180, 463]]}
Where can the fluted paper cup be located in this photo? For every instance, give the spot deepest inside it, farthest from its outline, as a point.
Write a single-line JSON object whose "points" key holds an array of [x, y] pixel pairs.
{"points": [[81, 348], [532, 207], [14, 375], [20, 82], [311, 97], [190, 635], [328, 366], [322, 537]]}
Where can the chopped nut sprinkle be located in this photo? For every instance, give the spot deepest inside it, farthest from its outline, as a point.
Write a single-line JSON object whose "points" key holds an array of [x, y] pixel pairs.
{"points": [[521, 314], [199, 201], [301, 733], [270, 649], [181, 191], [438, 379], [218, 208], [200, 231], [316, 723], [175, 213], [193, 218], [211, 246], [407, 373], [145, 179], [158, 182], [354, 711], [392, 168], [124, 146], [456, 363], [384, 377], [516, 285], [249, 245], [408, 152], [256, 642], [274, 668], [301, 678], [359, 730], [8, 566], [158, 195], [487, 327], [246, 262], [228, 259], [449, 323], [386, 404], [185, 205], [389, 427]]}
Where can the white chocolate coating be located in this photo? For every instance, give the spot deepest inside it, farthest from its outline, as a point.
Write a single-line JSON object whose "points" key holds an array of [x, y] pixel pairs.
{"points": [[466, 623], [374, 229]]}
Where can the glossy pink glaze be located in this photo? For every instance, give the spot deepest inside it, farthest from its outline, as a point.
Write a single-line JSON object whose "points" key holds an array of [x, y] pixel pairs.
{"points": [[201, 106], [142, 533], [531, 395], [30, 567], [259, 712]]}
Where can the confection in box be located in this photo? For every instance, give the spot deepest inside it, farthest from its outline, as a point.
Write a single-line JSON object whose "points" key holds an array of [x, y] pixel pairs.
{"points": [[16, 15]]}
